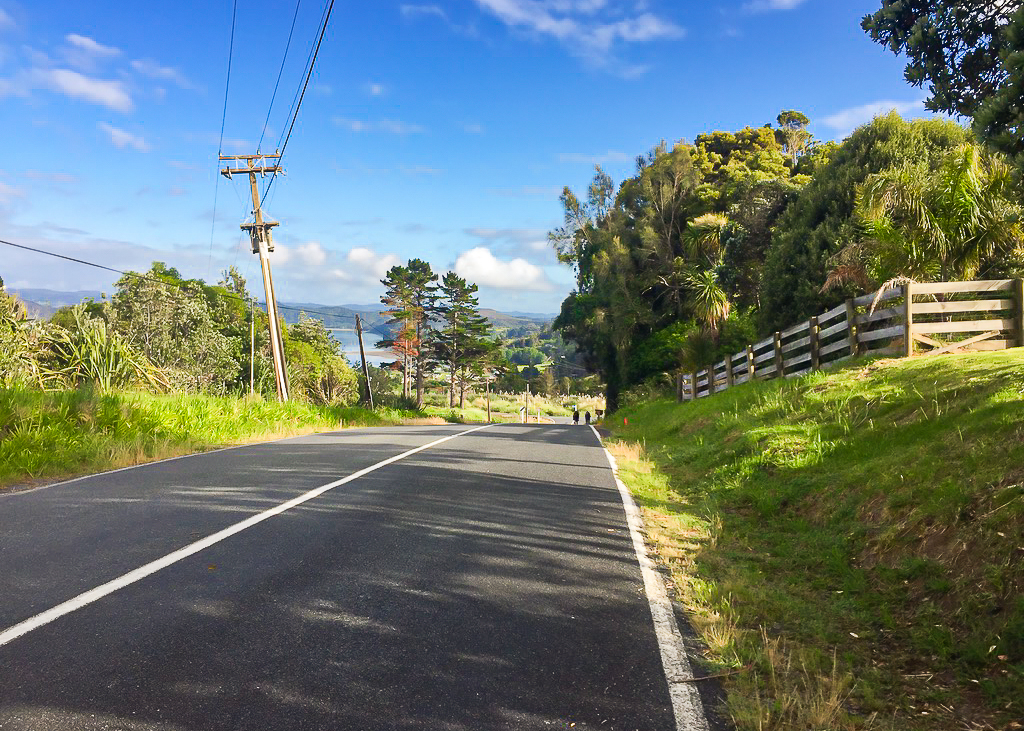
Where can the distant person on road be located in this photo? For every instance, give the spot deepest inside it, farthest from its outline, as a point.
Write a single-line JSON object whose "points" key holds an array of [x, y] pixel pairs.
{"points": [[588, 417], [576, 417]]}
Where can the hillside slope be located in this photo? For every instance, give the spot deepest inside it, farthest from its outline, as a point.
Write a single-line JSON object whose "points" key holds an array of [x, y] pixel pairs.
{"points": [[850, 544]]}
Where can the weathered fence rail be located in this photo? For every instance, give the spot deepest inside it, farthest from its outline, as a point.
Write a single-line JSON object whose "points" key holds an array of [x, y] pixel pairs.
{"points": [[931, 318]]}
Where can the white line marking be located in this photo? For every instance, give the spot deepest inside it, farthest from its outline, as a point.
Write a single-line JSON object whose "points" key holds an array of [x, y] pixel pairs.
{"points": [[33, 623], [686, 703]]}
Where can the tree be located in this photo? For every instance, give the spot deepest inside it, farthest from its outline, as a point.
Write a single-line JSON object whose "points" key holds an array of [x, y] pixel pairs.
{"points": [[953, 45], [933, 225], [792, 133], [172, 323], [319, 370], [820, 220], [461, 342], [398, 297], [1000, 120], [971, 55], [411, 291]]}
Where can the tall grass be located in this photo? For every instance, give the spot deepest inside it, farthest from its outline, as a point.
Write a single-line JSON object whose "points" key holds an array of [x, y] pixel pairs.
{"points": [[49, 435], [849, 542]]}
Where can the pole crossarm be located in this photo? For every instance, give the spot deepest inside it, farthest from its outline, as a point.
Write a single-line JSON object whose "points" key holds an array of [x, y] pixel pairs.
{"points": [[251, 167]]}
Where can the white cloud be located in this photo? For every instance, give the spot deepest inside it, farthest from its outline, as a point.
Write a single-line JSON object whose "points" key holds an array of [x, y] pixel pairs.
{"points": [[583, 28], [527, 243], [473, 128], [375, 89], [50, 177], [759, 6], [154, 70], [84, 43], [229, 144], [610, 156], [846, 120], [388, 126], [369, 263], [105, 92], [310, 254], [411, 11], [480, 266], [6, 21], [7, 192], [122, 138]]}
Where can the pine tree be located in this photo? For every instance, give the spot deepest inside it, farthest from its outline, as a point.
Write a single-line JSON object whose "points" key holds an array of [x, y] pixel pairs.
{"points": [[461, 343]]}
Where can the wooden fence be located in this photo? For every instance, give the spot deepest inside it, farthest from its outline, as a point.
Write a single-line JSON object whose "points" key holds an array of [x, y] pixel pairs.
{"points": [[933, 318]]}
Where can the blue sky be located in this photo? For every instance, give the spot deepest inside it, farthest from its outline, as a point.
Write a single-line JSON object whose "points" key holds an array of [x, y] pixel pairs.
{"points": [[438, 130]]}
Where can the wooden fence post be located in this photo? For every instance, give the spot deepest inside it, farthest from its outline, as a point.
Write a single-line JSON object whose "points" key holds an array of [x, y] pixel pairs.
{"points": [[779, 372], [851, 327], [711, 379], [750, 363], [679, 387], [908, 319], [815, 355], [1018, 288], [730, 379], [693, 386]]}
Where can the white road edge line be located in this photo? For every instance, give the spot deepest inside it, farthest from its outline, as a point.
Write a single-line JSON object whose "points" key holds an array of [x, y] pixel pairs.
{"points": [[86, 598], [686, 702]]}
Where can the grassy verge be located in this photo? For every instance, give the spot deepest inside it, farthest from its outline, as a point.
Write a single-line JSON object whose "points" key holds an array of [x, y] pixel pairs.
{"points": [[849, 542], [51, 435]]}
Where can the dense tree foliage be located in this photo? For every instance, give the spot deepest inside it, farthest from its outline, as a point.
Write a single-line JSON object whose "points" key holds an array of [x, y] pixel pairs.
{"points": [[713, 243], [820, 221], [971, 55], [956, 222], [460, 342]]}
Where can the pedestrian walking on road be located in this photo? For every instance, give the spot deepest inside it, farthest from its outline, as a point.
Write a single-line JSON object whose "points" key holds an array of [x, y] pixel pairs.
{"points": [[588, 417], [576, 417]]}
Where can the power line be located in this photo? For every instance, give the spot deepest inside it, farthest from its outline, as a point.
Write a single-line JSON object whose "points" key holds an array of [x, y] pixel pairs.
{"points": [[220, 142], [226, 295], [309, 73], [287, 45], [227, 82]]}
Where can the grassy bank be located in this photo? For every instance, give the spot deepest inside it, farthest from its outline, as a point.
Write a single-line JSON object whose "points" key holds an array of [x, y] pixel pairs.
{"points": [[849, 544], [51, 435]]}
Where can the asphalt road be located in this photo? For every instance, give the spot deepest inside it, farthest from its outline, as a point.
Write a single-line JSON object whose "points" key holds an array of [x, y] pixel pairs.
{"points": [[487, 582]]}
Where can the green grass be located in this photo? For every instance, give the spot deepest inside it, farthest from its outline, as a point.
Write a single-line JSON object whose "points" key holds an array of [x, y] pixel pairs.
{"points": [[851, 542], [50, 435]]}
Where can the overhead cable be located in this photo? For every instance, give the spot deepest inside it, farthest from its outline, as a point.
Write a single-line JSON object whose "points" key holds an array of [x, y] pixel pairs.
{"points": [[145, 277]]}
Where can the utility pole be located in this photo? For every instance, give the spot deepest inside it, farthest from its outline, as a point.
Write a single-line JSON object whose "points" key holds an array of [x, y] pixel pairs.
{"points": [[487, 381], [262, 244], [362, 356], [252, 347]]}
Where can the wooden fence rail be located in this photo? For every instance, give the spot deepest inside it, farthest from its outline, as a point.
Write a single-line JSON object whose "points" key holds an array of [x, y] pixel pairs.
{"points": [[930, 318]]}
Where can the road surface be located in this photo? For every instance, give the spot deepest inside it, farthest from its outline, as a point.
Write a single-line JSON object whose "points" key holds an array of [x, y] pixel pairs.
{"points": [[488, 580]]}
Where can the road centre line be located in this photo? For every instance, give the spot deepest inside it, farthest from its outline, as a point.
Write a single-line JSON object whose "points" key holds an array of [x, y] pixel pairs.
{"points": [[32, 623], [686, 703]]}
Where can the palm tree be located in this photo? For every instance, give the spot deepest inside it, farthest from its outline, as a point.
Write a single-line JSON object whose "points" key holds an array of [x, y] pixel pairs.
{"points": [[708, 300], [937, 225]]}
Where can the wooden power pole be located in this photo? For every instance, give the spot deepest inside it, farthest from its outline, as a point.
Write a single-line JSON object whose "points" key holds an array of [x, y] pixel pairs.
{"points": [[263, 244], [362, 356]]}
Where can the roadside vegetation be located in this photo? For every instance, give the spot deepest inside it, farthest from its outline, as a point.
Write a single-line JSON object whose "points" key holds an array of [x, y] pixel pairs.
{"points": [[47, 435], [848, 544]]}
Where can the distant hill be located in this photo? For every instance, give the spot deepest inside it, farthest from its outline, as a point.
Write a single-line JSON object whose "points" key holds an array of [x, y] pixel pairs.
{"points": [[42, 303], [37, 310], [54, 298]]}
